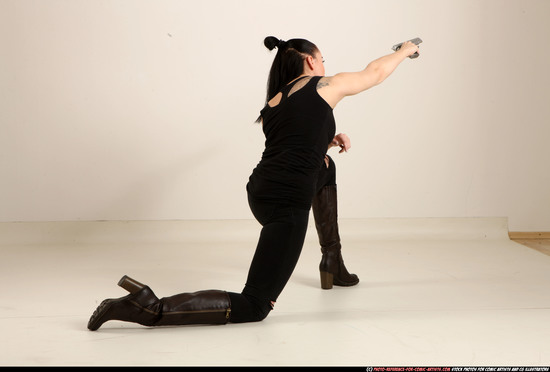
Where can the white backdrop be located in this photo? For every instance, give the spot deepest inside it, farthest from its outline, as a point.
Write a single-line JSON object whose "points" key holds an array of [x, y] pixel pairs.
{"points": [[144, 110]]}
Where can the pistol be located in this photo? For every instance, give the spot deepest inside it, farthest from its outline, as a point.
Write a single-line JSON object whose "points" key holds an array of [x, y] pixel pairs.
{"points": [[415, 41]]}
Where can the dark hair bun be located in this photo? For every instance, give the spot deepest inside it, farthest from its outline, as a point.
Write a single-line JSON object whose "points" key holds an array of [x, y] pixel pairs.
{"points": [[271, 42]]}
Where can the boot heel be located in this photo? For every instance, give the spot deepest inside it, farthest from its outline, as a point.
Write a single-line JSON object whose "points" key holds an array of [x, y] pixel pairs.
{"points": [[326, 280], [130, 284]]}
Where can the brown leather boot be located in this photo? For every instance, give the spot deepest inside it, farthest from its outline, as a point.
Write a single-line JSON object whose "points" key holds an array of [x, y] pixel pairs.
{"points": [[325, 212], [143, 307]]}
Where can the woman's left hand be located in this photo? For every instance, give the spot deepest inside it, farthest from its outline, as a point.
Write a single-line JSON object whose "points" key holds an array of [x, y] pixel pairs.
{"points": [[341, 140]]}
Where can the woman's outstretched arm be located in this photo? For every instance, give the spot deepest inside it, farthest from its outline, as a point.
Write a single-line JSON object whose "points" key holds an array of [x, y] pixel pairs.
{"points": [[333, 89]]}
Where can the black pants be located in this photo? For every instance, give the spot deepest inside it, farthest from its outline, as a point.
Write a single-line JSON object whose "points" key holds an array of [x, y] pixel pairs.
{"points": [[279, 247]]}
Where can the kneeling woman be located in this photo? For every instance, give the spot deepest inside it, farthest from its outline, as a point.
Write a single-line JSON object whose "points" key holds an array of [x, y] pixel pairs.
{"points": [[299, 128]]}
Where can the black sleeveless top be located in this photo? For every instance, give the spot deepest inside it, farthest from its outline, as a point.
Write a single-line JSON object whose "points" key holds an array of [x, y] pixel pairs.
{"points": [[298, 131]]}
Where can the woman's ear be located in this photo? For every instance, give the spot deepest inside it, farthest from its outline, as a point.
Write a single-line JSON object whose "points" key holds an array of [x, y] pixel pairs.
{"points": [[310, 62]]}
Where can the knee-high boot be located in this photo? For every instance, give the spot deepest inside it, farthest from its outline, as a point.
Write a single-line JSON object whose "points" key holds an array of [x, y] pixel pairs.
{"points": [[143, 307], [325, 212]]}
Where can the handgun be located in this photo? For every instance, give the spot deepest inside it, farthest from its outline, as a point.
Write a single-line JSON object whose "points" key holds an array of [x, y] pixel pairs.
{"points": [[415, 41]]}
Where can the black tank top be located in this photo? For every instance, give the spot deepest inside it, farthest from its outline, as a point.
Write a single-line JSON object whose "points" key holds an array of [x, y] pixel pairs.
{"points": [[298, 131]]}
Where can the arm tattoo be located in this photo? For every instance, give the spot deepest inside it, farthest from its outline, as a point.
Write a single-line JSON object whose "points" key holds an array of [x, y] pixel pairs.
{"points": [[323, 82]]}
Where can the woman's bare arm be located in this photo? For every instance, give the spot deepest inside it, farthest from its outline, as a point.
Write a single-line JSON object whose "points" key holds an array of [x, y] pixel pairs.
{"points": [[334, 89]]}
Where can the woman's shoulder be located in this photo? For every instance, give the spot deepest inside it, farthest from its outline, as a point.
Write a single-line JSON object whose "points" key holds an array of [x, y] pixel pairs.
{"points": [[323, 81], [326, 89]]}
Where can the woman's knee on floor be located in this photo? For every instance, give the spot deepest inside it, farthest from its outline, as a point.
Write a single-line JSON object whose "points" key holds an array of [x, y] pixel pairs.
{"points": [[246, 308]]}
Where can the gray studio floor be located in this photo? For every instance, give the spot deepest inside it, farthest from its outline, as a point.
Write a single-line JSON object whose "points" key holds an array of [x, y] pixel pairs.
{"points": [[432, 292]]}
